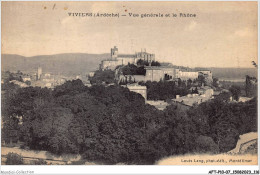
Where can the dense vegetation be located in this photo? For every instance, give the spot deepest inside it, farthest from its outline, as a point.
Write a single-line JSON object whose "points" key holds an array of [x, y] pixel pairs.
{"points": [[9, 76], [141, 62], [251, 86], [235, 92], [223, 121], [132, 69], [112, 125], [164, 90], [103, 77], [14, 159]]}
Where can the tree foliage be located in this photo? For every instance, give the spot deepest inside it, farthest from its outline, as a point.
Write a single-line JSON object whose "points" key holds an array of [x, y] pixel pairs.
{"points": [[132, 69], [9, 76], [112, 124], [40, 162], [235, 92], [215, 82], [103, 77], [142, 62], [14, 159], [251, 86], [164, 90], [224, 121]]}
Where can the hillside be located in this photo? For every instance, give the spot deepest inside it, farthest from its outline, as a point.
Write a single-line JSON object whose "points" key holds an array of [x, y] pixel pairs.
{"points": [[68, 63]]}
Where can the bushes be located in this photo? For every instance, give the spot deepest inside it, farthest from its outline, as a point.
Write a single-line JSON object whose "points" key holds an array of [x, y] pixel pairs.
{"points": [[40, 162], [14, 159]]}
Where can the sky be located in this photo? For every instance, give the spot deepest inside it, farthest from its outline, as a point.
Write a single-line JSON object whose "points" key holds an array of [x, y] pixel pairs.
{"points": [[223, 34]]}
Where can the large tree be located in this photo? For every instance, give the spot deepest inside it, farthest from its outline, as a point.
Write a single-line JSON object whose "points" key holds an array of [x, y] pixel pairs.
{"points": [[235, 91], [103, 76]]}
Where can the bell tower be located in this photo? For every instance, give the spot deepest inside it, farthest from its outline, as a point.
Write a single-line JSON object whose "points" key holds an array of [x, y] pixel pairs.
{"points": [[114, 52], [39, 73]]}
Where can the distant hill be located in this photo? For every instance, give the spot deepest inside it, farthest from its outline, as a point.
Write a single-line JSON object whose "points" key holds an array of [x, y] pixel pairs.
{"points": [[67, 63]]}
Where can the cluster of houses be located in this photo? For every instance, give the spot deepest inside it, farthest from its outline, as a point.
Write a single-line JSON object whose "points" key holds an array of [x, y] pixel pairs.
{"points": [[156, 73], [204, 94], [41, 79]]}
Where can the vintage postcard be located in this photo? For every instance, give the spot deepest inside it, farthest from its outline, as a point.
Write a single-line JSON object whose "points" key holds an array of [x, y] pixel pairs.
{"points": [[129, 83]]}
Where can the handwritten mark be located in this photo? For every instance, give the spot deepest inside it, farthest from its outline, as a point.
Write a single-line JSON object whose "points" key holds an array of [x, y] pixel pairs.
{"points": [[53, 6]]}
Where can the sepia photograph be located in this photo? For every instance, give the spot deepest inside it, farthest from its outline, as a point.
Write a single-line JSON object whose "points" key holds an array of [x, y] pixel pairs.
{"points": [[129, 83]]}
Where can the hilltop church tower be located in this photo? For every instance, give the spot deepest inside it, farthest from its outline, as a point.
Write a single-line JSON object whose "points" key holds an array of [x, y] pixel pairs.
{"points": [[39, 73], [114, 52]]}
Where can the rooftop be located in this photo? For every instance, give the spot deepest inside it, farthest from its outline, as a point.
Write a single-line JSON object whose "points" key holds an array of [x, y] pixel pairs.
{"points": [[161, 105], [21, 84], [191, 99], [134, 86]]}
